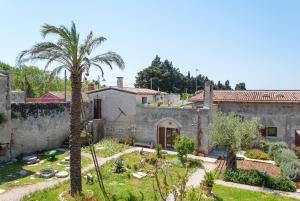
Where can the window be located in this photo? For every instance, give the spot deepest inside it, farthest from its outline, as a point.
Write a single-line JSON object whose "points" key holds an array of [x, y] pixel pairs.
{"points": [[272, 131], [144, 100]]}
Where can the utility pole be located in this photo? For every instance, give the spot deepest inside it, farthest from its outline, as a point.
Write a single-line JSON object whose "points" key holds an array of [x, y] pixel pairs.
{"points": [[65, 86], [98, 82], [151, 82], [196, 79]]}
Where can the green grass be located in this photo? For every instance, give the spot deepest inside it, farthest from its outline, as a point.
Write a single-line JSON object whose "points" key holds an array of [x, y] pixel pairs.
{"points": [[224, 193], [121, 185], [9, 177], [110, 147]]}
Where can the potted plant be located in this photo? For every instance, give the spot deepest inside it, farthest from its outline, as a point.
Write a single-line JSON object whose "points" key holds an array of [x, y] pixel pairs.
{"points": [[208, 182]]}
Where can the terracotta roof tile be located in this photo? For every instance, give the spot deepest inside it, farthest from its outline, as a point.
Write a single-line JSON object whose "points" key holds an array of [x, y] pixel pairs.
{"points": [[138, 91], [284, 96]]}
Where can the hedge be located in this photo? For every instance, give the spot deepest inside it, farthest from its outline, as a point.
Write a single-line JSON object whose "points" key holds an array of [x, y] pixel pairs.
{"points": [[256, 178]]}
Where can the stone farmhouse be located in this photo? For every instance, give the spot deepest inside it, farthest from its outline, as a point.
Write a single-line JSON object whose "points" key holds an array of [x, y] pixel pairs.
{"points": [[278, 110], [123, 112]]}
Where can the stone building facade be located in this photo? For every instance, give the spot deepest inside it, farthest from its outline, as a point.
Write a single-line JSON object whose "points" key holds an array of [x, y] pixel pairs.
{"points": [[278, 111], [124, 115]]}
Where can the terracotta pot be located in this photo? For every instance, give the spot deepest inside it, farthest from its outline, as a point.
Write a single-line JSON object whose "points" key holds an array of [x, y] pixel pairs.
{"points": [[298, 185], [206, 189]]}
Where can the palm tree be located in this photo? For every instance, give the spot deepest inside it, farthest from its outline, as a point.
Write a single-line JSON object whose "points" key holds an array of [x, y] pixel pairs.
{"points": [[68, 52]]}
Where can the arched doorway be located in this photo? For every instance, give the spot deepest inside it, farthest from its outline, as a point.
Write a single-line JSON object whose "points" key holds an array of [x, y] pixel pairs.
{"points": [[167, 130]]}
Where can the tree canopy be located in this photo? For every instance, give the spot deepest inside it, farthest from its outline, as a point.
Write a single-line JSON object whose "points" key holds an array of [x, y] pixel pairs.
{"points": [[233, 132], [165, 77], [240, 86], [35, 81]]}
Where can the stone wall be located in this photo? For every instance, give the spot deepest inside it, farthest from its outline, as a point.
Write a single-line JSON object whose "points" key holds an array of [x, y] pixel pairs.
{"points": [[5, 125], [38, 126], [284, 116], [17, 97], [147, 119]]}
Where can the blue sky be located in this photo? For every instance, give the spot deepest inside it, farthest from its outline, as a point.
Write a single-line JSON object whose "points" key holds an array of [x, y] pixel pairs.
{"points": [[253, 41]]}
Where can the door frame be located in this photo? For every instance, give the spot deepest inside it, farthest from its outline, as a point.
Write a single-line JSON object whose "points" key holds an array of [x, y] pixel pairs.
{"points": [[165, 136]]}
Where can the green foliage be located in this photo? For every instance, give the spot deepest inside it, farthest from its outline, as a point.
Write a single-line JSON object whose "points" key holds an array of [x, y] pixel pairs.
{"points": [[2, 118], [257, 154], [275, 146], [168, 78], [185, 96], [209, 179], [225, 86], [255, 178], [4, 66], [119, 166], [158, 150], [284, 155], [233, 132], [291, 169], [264, 145], [240, 86], [297, 151], [183, 146]]}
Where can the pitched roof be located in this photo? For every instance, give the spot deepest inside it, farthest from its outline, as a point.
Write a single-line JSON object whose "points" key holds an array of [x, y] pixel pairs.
{"points": [[61, 95], [137, 91], [261, 96]]}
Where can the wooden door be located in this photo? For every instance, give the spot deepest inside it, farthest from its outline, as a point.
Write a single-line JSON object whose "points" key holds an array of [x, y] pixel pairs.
{"points": [[97, 109], [297, 138], [161, 136]]}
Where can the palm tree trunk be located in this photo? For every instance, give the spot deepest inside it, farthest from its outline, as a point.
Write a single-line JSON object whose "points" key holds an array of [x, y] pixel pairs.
{"points": [[75, 155]]}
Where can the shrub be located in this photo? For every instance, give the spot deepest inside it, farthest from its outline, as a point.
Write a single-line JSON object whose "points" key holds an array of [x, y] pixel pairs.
{"points": [[297, 151], [183, 146], [250, 177], [119, 166], [255, 178], [291, 170], [257, 154], [264, 145], [209, 179], [279, 183], [275, 146], [158, 150], [284, 156]]}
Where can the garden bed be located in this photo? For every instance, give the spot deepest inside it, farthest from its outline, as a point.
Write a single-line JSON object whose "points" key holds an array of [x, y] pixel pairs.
{"points": [[270, 169], [124, 184], [15, 173]]}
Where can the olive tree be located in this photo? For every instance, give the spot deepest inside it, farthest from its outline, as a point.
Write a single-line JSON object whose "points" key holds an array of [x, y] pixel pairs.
{"points": [[234, 133]]}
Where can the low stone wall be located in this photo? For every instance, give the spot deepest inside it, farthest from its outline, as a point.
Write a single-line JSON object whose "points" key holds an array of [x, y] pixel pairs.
{"points": [[38, 126]]}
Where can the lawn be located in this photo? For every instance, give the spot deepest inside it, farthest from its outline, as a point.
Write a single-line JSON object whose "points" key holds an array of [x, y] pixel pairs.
{"points": [[107, 147], [122, 184], [223, 193], [234, 194], [10, 177]]}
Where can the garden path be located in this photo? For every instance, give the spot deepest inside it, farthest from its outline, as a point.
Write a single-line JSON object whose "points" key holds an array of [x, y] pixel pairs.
{"points": [[17, 193]]}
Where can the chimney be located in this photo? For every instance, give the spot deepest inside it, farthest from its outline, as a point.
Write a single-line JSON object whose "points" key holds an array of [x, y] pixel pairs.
{"points": [[91, 87], [120, 82], [208, 94]]}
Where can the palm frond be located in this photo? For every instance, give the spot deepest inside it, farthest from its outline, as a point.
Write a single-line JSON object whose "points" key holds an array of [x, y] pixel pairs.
{"points": [[108, 59]]}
